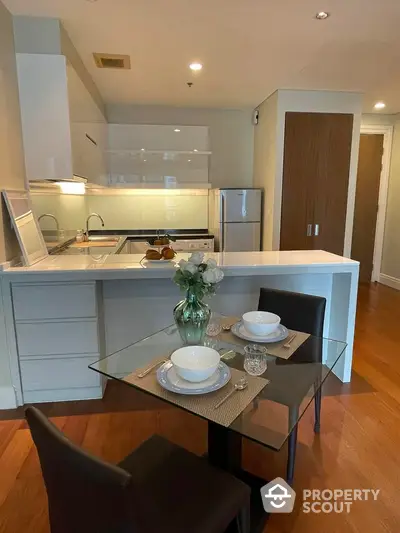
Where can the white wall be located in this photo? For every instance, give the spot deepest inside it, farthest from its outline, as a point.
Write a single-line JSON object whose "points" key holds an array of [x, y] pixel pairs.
{"points": [[377, 119], [231, 136], [265, 140], [314, 102], [12, 175], [391, 244]]}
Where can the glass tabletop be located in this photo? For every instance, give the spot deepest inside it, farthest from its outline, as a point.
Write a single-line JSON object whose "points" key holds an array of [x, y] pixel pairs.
{"points": [[271, 416]]}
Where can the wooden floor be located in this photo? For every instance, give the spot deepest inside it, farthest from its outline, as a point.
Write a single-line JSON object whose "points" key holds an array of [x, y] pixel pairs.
{"points": [[359, 444]]}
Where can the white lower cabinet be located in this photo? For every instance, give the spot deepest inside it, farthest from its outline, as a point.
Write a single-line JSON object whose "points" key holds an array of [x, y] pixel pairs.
{"points": [[54, 353]]}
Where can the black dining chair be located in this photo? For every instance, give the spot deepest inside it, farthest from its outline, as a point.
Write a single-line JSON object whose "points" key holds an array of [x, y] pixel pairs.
{"points": [[158, 487], [306, 313]]}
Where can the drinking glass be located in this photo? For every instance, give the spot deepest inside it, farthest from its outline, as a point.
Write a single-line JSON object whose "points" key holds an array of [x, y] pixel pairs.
{"points": [[255, 360]]}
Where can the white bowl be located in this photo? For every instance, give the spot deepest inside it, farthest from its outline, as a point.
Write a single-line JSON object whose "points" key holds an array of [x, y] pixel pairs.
{"points": [[195, 363], [260, 322]]}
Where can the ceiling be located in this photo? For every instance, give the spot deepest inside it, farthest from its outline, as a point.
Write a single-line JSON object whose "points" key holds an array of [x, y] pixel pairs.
{"points": [[249, 48]]}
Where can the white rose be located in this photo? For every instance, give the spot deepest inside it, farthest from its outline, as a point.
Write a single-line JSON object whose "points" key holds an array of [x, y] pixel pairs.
{"points": [[218, 274], [212, 275], [190, 267], [185, 266], [208, 276], [211, 263], [196, 258]]}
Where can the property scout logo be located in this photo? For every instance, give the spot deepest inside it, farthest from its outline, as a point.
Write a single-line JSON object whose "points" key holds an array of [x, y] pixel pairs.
{"points": [[279, 497]]}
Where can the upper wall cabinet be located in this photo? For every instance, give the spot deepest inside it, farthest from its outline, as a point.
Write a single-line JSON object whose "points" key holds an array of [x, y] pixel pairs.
{"points": [[64, 132], [158, 156], [88, 132], [42, 81]]}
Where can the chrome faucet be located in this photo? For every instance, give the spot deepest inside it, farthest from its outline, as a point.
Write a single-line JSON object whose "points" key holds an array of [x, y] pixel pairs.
{"points": [[87, 223], [53, 217]]}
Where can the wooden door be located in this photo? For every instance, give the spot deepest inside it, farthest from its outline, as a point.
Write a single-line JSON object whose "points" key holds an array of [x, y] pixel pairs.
{"points": [[367, 200], [315, 180]]}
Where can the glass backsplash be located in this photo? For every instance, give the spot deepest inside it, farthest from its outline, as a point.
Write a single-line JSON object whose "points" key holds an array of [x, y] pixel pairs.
{"points": [[124, 211]]}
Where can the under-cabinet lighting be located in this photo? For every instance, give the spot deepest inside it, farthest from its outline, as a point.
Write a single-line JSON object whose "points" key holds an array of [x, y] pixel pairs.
{"points": [[70, 187]]}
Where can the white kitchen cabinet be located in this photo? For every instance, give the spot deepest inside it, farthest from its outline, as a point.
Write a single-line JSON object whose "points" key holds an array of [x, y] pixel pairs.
{"points": [[164, 156], [88, 132], [158, 137], [59, 332], [43, 95], [64, 131]]}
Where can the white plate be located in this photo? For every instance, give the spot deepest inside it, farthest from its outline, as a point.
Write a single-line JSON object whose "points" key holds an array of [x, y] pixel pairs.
{"points": [[239, 330], [158, 260], [169, 380]]}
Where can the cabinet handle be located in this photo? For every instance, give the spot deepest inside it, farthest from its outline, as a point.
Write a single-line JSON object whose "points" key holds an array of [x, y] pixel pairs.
{"points": [[91, 139], [309, 230], [316, 230]]}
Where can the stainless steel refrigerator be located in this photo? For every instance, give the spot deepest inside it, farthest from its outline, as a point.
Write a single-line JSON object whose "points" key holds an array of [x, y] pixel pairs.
{"points": [[235, 219]]}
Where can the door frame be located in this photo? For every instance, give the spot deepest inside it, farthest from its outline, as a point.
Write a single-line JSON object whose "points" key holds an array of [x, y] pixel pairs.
{"points": [[387, 132]]}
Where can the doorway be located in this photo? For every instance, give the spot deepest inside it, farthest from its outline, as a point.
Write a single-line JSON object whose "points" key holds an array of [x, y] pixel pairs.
{"points": [[370, 200]]}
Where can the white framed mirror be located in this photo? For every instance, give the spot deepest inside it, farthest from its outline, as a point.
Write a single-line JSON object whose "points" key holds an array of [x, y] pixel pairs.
{"points": [[26, 226]]}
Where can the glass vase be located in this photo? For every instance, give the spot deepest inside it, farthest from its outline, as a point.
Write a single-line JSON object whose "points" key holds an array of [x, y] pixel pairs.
{"points": [[192, 317]]}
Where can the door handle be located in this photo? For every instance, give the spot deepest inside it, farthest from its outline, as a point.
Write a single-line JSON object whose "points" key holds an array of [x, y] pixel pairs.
{"points": [[309, 230], [316, 230], [222, 236]]}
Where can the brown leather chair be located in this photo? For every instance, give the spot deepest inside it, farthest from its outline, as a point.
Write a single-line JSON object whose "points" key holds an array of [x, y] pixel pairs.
{"points": [[301, 312], [160, 487]]}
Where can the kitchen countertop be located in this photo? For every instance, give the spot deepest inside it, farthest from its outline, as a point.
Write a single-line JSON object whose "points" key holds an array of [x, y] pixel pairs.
{"points": [[99, 266]]}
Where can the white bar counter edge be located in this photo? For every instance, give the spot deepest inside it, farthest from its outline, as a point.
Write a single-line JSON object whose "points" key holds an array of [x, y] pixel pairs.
{"points": [[67, 311]]}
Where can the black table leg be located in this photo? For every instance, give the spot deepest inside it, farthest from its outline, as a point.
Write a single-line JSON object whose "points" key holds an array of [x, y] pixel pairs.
{"points": [[224, 448], [292, 443], [225, 451]]}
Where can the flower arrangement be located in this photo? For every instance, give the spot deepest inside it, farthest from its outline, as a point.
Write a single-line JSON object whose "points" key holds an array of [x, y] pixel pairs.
{"points": [[198, 277]]}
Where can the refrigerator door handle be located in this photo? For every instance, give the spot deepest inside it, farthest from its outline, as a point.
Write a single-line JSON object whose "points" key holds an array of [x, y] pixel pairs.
{"points": [[222, 223]]}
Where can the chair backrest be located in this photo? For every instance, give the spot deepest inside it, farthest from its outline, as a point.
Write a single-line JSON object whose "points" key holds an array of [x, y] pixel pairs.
{"points": [[85, 494], [301, 312]]}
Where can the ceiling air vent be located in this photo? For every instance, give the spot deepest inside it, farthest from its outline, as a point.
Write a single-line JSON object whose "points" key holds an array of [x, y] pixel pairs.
{"points": [[112, 61]]}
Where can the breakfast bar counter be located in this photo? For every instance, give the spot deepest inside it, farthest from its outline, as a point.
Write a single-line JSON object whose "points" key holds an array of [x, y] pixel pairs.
{"points": [[65, 312]]}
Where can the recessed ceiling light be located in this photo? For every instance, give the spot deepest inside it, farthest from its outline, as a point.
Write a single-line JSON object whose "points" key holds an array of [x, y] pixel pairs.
{"points": [[379, 105], [189, 160], [177, 130], [142, 149], [195, 66], [195, 150], [322, 15]]}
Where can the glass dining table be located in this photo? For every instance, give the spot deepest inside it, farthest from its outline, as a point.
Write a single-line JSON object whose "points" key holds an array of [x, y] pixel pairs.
{"points": [[270, 417]]}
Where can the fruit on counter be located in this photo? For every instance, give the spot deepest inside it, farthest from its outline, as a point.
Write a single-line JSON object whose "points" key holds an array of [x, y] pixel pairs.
{"points": [[161, 240], [153, 255], [168, 253]]}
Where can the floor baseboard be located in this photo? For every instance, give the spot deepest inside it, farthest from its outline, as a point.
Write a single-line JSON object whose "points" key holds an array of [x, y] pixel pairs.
{"points": [[390, 281], [7, 398]]}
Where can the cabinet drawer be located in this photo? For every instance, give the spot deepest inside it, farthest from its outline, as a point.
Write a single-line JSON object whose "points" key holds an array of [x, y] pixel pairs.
{"points": [[44, 301], [51, 374], [57, 338]]}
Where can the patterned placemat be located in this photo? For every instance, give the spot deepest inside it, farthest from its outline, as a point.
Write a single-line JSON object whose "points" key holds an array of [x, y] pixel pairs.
{"points": [[276, 349], [204, 404]]}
